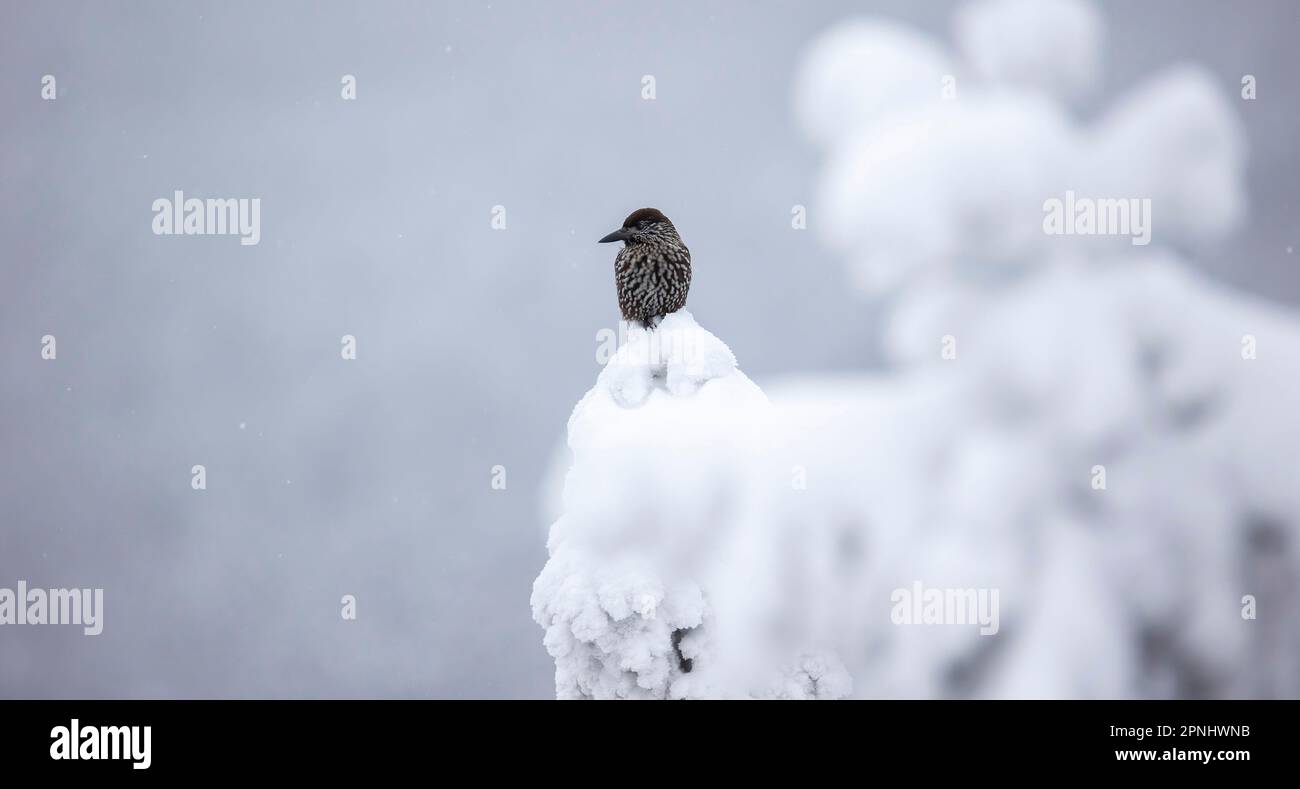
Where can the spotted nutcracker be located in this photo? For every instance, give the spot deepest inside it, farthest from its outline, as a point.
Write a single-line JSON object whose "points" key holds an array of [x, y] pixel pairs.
{"points": [[652, 272]]}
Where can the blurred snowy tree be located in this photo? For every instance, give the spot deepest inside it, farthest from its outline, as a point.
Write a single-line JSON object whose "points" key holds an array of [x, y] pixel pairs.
{"points": [[1023, 361]]}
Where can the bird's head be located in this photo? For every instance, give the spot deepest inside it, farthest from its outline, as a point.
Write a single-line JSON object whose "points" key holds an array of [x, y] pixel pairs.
{"points": [[645, 225]]}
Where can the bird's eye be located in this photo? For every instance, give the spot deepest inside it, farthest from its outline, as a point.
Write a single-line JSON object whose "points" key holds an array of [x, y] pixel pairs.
{"points": [[643, 224]]}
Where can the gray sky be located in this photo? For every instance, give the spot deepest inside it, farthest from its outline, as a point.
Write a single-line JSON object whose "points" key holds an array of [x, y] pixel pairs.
{"points": [[372, 477]]}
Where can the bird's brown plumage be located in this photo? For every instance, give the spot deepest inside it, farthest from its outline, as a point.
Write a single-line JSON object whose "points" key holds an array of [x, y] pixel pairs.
{"points": [[652, 272]]}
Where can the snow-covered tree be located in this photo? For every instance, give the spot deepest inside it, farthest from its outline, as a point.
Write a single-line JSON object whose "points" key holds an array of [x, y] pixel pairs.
{"points": [[1077, 420]]}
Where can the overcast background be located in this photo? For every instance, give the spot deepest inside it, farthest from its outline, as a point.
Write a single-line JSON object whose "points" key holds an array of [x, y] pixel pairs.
{"points": [[372, 477]]}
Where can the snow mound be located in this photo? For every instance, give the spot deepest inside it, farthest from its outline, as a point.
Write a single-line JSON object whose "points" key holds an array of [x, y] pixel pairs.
{"points": [[955, 188], [677, 357], [1176, 139], [1053, 46], [660, 444], [861, 69]]}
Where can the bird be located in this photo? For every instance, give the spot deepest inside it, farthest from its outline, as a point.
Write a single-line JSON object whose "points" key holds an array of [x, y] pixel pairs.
{"points": [[652, 272]]}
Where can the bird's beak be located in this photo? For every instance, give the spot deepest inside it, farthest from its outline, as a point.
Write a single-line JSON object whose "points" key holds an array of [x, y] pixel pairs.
{"points": [[617, 235]]}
